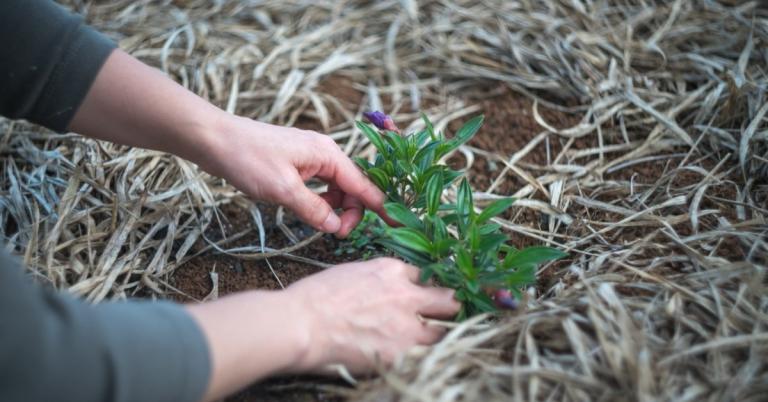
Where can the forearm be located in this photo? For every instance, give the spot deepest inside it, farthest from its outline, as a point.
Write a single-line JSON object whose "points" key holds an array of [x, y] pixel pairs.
{"points": [[251, 335], [133, 104]]}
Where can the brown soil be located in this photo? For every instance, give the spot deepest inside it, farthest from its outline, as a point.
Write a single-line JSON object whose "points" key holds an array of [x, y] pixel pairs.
{"points": [[508, 127]]}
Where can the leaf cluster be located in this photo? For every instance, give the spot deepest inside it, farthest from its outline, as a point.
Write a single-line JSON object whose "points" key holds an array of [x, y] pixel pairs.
{"points": [[362, 240], [450, 242]]}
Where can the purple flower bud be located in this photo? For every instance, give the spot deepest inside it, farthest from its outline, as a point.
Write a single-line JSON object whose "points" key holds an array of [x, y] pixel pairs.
{"points": [[504, 299], [376, 117], [381, 120]]}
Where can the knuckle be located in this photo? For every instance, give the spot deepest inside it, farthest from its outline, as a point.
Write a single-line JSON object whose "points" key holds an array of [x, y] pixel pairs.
{"points": [[326, 142], [318, 206], [390, 263], [284, 190]]}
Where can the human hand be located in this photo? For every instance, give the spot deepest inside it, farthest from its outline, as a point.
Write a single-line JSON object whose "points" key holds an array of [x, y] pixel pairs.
{"points": [[359, 312], [271, 163], [264, 161]]}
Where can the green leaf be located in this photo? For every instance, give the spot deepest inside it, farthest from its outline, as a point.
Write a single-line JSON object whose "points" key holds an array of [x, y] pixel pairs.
{"points": [[473, 238], [494, 209], [481, 303], [461, 295], [443, 246], [398, 143], [439, 231], [379, 160], [402, 214], [464, 204], [389, 168], [379, 178], [426, 273], [531, 256], [464, 262], [465, 133], [373, 136], [434, 191], [489, 228], [490, 243], [507, 248], [473, 286], [449, 175], [411, 238], [524, 276], [468, 130], [363, 163], [430, 129], [420, 137], [403, 168], [414, 257], [426, 155], [493, 279]]}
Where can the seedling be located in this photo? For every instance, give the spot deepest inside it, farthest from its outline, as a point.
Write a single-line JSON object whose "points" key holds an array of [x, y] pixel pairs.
{"points": [[452, 243]]}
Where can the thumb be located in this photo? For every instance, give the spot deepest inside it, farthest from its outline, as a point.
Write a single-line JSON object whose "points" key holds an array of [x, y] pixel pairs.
{"points": [[314, 210]]}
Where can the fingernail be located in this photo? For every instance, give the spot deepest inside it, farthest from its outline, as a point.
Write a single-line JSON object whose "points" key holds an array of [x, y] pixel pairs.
{"points": [[332, 223]]}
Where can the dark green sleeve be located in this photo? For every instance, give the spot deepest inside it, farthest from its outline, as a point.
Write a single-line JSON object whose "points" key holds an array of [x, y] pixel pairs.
{"points": [[48, 60], [56, 348]]}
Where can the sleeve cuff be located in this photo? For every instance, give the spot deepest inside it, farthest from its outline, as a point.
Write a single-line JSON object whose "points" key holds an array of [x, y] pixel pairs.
{"points": [[73, 78]]}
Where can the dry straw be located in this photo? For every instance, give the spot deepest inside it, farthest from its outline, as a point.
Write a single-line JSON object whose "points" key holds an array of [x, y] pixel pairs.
{"points": [[664, 298]]}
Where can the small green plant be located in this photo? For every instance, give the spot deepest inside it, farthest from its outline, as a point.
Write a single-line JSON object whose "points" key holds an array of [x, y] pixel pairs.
{"points": [[363, 238], [461, 248]]}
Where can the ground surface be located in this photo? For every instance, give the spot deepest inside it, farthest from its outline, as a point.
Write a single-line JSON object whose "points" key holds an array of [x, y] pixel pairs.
{"points": [[634, 135]]}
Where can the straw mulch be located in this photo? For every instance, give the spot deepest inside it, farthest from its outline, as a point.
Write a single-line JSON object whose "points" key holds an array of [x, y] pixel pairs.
{"points": [[665, 295]]}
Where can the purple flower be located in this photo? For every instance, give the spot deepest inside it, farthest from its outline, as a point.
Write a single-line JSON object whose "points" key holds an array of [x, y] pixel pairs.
{"points": [[381, 120], [376, 117], [504, 299]]}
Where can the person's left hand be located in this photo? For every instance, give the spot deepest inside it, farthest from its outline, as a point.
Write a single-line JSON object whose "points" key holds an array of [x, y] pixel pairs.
{"points": [[271, 163]]}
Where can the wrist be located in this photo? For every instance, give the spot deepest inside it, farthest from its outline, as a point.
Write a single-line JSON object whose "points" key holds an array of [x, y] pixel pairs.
{"points": [[251, 335], [292, 317], [300, 333], [202, 140]]}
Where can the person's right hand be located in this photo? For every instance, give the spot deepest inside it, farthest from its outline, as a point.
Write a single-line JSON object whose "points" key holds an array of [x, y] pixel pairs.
{"points": [[352, 314], [357, 313]]}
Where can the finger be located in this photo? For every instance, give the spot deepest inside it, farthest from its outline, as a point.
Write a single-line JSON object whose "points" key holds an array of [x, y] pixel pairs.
{"points": [[349, 219], [412, 273], [333, 197], [346, 175], [399, 268], [438, 303], [313, 209], [352, 215], [430, 334]]}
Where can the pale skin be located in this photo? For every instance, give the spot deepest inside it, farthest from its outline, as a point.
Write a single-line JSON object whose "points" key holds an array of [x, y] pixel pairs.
{"points": [[354, 314]]}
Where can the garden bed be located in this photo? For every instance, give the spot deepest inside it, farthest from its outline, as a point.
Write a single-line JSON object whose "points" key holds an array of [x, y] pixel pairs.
{"points": [[633, 134], [509, 126]]}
